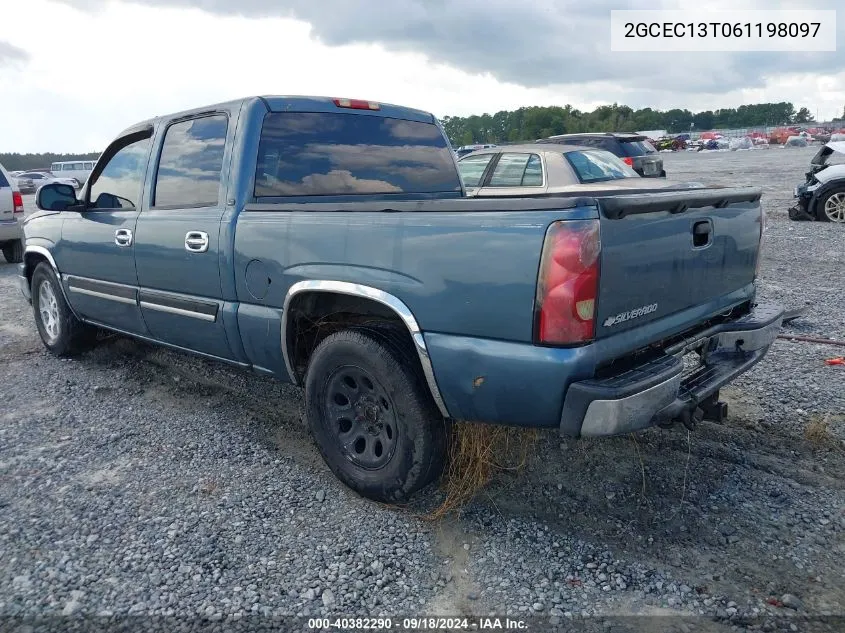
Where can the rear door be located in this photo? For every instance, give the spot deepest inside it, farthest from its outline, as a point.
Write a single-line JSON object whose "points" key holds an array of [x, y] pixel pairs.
{"points": [[178, 252]]}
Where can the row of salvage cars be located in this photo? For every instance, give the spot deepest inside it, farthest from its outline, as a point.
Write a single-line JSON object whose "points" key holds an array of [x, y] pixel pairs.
{"points": [[822, 195]]}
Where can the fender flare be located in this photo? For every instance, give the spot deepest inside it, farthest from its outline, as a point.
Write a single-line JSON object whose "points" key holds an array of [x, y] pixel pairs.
{"points": [[44, 252], [367, 292]]}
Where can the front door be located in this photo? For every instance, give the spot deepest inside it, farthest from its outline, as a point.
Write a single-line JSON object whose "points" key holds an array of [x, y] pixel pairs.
{"points": [[96, 251], [177, 240]]}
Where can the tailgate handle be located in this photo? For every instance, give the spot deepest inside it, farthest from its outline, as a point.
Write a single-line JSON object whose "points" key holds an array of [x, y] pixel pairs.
{"points": [[702, 233]]}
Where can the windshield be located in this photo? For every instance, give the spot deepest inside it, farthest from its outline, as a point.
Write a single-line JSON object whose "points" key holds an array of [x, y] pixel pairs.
{"points": [[637, 148], [598, 165]]}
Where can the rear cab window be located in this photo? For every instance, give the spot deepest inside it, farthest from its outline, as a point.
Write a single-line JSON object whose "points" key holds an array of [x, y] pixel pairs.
{"points": [[341, 154], [598, 166]]}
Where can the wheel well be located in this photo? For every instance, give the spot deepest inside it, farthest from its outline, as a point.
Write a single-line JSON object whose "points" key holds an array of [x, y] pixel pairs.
{"points": [[31, 261], [312, 316]]}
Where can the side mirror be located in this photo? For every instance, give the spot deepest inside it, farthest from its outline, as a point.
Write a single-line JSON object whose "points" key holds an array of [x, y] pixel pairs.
{"points": [[55, 197]]}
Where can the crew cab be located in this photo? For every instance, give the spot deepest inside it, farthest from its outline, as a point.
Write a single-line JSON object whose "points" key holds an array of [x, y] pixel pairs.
{"points": [[330, 243]]}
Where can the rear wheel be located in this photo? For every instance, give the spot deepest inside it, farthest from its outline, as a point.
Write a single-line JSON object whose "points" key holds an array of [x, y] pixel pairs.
{"points": [[13, 252], [371, 417], [831, 207], [61, 332]]}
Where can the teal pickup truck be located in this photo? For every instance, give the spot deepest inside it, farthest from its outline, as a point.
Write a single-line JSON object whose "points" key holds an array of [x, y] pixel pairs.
{"points": [[331, 243]]}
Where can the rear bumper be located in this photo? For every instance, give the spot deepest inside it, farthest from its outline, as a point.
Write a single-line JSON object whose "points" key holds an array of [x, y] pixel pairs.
{"points": [[10, 230], [659, 390]]}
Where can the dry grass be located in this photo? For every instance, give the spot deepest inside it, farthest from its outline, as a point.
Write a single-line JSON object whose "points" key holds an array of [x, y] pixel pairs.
{"points": [[818, 434], [476, 452]]}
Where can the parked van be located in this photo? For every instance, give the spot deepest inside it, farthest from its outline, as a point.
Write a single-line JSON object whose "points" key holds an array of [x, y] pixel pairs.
{"points": [[76, 169]]}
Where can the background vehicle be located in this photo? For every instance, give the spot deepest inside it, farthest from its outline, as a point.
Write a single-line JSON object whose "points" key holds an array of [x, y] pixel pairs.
{"points": [[463, 150], [524, 170], [38, 178], [78, 170], [635, 149], [23, 184], [11, 213], [335, 248], [822, 195]]}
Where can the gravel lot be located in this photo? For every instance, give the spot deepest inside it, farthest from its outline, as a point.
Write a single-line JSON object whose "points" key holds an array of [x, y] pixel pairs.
{"points": [[139, 482]]}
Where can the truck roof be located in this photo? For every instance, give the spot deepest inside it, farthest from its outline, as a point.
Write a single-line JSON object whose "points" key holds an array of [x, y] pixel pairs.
{"points": [[297, 103]]}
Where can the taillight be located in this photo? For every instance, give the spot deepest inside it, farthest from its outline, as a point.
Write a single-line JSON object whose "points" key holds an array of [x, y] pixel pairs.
{"points": [[357, 104], [567, 286], [17, 202], [628, 161]]}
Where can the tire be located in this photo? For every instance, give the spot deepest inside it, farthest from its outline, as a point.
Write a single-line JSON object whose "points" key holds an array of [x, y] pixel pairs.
{"points": [[13, 252], [372, 418], [837, 201], [61, 332]]}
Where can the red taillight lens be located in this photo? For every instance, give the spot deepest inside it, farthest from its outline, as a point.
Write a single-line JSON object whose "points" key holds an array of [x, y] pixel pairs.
{"points": [[17, 202], [567, 287], [357, 104], [628, 161]]}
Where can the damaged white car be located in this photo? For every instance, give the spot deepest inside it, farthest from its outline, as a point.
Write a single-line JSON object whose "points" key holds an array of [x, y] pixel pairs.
{"points": [[822, 196]]}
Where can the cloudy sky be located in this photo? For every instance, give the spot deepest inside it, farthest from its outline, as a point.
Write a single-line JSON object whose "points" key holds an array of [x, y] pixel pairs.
{"points": [[73, 73]]}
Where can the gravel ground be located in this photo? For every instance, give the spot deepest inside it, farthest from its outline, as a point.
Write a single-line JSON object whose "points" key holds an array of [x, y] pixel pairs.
{"points": [[139, 482]]}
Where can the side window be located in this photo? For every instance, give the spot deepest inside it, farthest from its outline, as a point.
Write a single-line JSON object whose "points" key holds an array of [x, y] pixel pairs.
{"points": [[511, 170], [533, 176], [191, 163], [472, 169], [118, 185], [89, 165]]}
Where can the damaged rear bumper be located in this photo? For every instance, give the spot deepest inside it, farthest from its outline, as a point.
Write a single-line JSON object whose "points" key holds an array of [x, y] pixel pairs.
{"points": [[659, 391]]}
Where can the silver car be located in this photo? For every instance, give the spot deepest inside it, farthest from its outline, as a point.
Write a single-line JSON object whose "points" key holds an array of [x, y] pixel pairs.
{"points": [[548, 168], [11, 214]]}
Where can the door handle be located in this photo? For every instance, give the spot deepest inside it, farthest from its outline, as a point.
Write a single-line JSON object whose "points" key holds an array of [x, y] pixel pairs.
{"points": [[123, 237], [196, 241]]}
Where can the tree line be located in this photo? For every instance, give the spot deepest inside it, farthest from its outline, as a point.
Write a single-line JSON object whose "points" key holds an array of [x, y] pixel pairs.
{"points": [[14, 161], [537, 122]]}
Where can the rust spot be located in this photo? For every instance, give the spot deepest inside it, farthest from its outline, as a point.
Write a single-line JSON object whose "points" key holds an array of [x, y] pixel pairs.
{"points": [[478, 382]]}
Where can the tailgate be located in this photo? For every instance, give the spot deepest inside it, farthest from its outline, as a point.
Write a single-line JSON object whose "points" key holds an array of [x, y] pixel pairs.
{"points": [[664, 252]]}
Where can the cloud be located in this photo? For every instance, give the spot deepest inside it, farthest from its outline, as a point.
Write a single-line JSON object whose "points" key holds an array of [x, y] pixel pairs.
{"points": [[11, 54], [540, 43]]}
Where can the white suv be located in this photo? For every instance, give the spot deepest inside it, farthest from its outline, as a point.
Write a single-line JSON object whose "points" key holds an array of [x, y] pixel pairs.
{"points": [[11, 214]]}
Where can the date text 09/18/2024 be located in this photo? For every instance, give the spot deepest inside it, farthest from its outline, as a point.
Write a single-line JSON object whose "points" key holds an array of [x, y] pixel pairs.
{"points": [[418, 624]]}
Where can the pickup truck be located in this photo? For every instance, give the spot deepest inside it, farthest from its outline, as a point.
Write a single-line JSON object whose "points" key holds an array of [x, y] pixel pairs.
{"points": [[330, 243]]}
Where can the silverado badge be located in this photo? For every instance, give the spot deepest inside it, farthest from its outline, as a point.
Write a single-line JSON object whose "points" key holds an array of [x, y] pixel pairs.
{"points": [[630, 314]]}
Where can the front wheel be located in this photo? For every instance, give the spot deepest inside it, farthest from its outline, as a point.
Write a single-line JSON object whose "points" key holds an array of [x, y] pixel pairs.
{"points": [[13, 252], [61, 332], [831, 207], [371, 417]]}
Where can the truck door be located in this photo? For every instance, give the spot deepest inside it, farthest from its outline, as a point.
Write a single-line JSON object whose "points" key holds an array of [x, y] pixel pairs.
{"points": [[178, 252], [96, 251]]}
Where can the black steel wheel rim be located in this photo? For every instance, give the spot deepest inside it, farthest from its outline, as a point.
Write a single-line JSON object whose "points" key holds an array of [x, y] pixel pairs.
{"points": [[361, 417]]}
